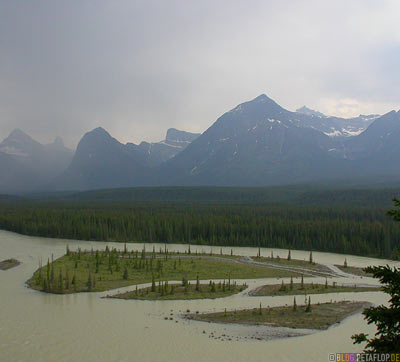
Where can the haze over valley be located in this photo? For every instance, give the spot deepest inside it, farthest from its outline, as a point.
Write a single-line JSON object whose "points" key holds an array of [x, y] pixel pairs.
{"points": [[199, 180]]}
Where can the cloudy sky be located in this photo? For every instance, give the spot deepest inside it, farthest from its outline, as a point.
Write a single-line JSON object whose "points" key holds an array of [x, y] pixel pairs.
{"points": [[137, 68]]}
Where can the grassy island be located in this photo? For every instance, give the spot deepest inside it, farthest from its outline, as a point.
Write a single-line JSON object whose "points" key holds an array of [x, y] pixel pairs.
{"points": [[314, 316], [309, 288], [95, 271], [354, 270], [164, 291], [8, 264], [310, 266]]}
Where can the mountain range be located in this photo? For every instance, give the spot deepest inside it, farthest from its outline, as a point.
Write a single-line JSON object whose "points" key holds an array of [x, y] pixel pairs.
{"points": [[257, 143]]}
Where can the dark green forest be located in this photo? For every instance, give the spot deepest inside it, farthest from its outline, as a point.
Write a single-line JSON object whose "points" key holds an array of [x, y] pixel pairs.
{"points": [[360, 230]]}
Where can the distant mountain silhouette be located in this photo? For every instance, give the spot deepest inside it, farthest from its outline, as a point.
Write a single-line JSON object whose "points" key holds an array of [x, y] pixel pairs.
{"points": [[36, 163]]}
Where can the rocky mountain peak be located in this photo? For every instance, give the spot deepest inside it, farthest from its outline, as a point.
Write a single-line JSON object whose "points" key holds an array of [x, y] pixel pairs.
{"points": [[175, 135], [310, 112]]}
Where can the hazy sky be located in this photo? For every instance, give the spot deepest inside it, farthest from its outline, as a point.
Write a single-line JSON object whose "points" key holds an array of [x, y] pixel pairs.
{"points": [[137, 68]]}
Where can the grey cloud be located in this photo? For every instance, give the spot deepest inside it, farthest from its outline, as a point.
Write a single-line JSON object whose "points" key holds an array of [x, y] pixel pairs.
{"points": [[139, 67]]}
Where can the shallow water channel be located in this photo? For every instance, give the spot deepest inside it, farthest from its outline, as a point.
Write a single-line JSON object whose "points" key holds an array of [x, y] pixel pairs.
{"points": [[85, 327]]}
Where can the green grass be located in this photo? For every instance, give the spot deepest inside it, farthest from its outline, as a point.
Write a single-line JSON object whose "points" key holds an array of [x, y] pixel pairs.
{"points": [[309, 288], [141, 268], [322, 316], [179, 291], [8, 264]]}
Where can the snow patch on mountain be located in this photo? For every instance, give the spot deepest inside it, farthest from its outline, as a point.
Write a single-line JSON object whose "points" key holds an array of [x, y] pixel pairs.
{"points": [[13, 151]]}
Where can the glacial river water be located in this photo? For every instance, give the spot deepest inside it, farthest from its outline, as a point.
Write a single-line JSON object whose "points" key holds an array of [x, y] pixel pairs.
{"points": [[84, 327]]}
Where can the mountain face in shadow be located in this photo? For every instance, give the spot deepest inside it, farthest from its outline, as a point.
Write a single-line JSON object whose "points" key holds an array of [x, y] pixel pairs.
{"points": [[154, 154], [256, 143]]}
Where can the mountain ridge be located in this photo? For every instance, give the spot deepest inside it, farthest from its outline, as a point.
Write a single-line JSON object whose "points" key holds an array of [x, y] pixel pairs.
{"points": [[256, 143]]}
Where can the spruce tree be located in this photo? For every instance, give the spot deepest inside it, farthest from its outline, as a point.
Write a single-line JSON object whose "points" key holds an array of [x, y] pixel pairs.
{"points": [[67, 279], [89, 282], [45, 285], [289, 257], [308, 309], [52, 272], [385, 317], [294, 304], [302, 282], [125, 276], [311, 257], [48, 270], [60, 282], [291, 283], [197, 283]]}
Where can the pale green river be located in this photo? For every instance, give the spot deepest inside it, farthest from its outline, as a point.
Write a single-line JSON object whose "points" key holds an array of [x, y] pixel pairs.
{"points": [[84, 327]]}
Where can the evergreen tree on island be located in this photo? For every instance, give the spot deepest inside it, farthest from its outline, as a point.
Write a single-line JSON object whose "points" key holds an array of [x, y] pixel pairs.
{"points": [[386, 318]]}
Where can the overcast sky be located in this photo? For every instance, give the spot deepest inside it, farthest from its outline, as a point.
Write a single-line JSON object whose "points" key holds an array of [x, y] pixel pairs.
{"points": [[137, 68]]}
